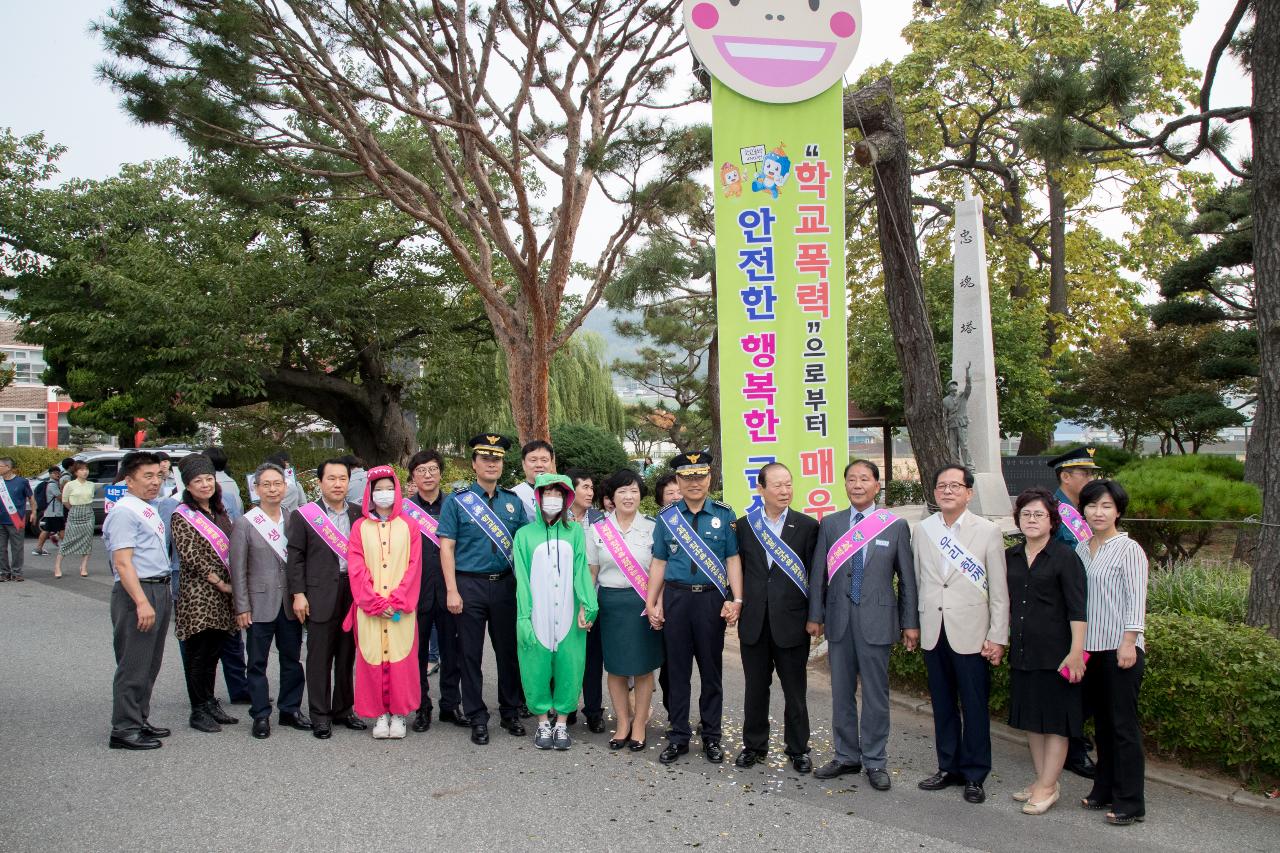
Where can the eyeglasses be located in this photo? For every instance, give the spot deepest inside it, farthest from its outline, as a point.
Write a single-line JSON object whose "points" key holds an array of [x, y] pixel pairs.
{"points": [[426, 470], [946, 488], [1033, 516]]}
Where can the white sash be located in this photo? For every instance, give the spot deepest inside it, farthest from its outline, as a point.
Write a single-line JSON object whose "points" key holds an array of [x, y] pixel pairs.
{"points": [[144, 511], [271, 533], [954, 553]]}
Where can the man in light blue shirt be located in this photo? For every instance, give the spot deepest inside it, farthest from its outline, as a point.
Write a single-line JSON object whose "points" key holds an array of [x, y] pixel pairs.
{"points": [[140, 605]]}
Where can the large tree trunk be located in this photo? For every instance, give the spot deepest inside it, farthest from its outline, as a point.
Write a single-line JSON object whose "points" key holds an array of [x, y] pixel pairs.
{"points": [[872, 111], [1264, 588], [1255, 457], [528, 377]]}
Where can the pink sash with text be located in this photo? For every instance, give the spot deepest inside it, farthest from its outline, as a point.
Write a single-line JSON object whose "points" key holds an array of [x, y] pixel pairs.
{"points": [[618, 548], [211, 532], [857, 538], [332, 536]]}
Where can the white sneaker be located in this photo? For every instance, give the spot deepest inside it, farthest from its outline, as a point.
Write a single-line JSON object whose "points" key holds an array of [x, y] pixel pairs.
{"points": [[381, 729], [397, 727]]}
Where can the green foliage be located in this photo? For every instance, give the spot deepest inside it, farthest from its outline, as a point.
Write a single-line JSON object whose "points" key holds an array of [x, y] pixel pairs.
{"points": [[903, 493], [1152, 381], [1211, 690], [589, 447], [33, 461], [1162, 489], [1212, 588]]}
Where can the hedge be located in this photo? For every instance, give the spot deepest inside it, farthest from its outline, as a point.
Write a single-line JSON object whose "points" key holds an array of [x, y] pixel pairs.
{"points": [[34, 461], [1210, 692]]}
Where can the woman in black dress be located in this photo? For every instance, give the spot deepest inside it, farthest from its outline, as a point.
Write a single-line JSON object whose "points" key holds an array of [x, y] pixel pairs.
{"points": [[1047, 626]]}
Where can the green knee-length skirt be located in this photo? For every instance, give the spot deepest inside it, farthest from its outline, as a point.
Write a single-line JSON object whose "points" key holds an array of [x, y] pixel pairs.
{"points": [[630, 646]]}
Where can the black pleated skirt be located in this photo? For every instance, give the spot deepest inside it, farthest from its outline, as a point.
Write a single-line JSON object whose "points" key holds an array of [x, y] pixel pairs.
{"points": [[1042, 701]]}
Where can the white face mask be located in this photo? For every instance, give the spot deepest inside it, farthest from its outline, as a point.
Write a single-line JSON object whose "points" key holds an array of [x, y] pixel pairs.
{"points": [[552, 503], [384, 498]]}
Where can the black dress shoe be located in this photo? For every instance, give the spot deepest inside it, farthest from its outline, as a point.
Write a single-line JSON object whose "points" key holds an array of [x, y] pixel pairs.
{"points": [[295, 721], [323, 731], [154, 731], [637, 745], [262, 728], [480, 734], [801, 763], [747, 758], [571, 718], [355, 723], [422, 720], [973, 793], [595, 723], [713, 751], [672, 752], [834, 768], [940, 780], [514, 727], [214, 709], [1083, 767], [879, 778], [616, 744], [523, 711], [134, 741], [1125, 818], [455, 716]]}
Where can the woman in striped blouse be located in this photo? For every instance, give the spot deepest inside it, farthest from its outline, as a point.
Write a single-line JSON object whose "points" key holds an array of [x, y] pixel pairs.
{"points": [[1116, 569]]}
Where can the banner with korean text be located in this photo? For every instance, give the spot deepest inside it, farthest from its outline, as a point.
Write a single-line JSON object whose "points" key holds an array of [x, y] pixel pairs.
{"points": [[779, 211]]}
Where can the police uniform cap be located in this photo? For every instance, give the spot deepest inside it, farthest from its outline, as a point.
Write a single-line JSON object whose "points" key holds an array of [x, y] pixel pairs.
{"points": [[490, 444], [1079, 457], [692, 464]]}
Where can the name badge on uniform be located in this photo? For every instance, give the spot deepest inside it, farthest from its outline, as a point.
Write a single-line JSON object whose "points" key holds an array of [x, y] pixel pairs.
{"points": [[883, 543]]}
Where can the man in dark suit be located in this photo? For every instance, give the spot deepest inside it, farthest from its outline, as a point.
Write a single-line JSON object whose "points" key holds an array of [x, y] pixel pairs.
{"points": [[775, 609], [321, 596], [862, 616]]}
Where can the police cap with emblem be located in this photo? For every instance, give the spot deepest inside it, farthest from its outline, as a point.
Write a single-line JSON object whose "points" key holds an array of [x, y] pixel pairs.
{"points": [[1080, 457], [489, 444], [695, 464]]}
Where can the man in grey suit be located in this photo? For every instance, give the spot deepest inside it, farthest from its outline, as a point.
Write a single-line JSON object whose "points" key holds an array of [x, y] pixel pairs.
{"points": [[862, 616], [258, 583]]}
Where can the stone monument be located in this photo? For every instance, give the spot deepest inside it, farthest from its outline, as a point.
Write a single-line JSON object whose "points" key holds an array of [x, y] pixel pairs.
{"points": [[973, 363]]}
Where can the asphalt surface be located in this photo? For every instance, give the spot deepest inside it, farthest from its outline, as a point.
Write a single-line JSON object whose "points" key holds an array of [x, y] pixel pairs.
{"points": [[64, 790]]}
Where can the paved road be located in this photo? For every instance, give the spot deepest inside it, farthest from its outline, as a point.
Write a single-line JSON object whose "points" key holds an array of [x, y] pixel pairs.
{"points": [[66, 791]]}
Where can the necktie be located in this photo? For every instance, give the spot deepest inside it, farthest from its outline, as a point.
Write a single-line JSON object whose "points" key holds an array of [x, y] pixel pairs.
{"points": [[855, 571]]}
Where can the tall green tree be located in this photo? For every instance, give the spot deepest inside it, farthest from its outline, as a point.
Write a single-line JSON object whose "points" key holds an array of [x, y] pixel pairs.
{"points": [[530, 113], [174, 288]]}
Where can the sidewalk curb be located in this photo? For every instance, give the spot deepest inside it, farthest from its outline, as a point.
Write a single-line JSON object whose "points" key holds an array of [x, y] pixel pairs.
{"points": [[1181, 780]]}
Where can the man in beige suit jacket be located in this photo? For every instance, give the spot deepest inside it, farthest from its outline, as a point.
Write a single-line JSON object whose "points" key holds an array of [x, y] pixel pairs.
{"points": [[964, 628]]}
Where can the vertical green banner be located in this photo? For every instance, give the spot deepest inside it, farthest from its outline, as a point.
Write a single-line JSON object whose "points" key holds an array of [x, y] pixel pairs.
{"points": [[779, 210]]}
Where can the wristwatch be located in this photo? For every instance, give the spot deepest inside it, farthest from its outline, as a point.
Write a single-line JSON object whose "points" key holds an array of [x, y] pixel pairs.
{"points": [[737, 601]]}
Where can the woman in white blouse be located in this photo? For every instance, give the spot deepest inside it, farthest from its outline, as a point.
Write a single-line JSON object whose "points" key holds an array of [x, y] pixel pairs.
{"points": [[618, 550], [1116, 572]]}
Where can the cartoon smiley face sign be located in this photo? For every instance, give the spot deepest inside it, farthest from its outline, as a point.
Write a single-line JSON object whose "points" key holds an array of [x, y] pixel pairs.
{"points": [[779, 51]]}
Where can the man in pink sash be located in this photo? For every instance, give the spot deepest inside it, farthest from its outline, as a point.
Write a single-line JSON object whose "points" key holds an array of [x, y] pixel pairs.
{"points": [[320, 595], [427, 469], [1075, 469], [852, 599]]}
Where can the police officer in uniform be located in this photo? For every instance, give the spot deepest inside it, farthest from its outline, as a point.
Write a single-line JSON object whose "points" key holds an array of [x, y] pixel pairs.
{"points": [[1074, 469], [688, 608], [480, 588]]}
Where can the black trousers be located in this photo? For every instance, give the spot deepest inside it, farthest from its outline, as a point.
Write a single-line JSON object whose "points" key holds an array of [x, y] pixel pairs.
{"points": [[439, 617], [287, 635], [593, 676], [693, 630], [234, 670], [331, 658], [962, 735], [201, 664], [759, 662], [1121, 765], [491, 604]]}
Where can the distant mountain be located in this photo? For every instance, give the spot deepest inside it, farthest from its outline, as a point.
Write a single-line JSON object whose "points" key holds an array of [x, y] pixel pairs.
{"points": [[600, 321]]}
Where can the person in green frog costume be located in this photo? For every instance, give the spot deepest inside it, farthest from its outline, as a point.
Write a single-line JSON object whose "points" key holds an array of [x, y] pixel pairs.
{"points": [[555, 605]]}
